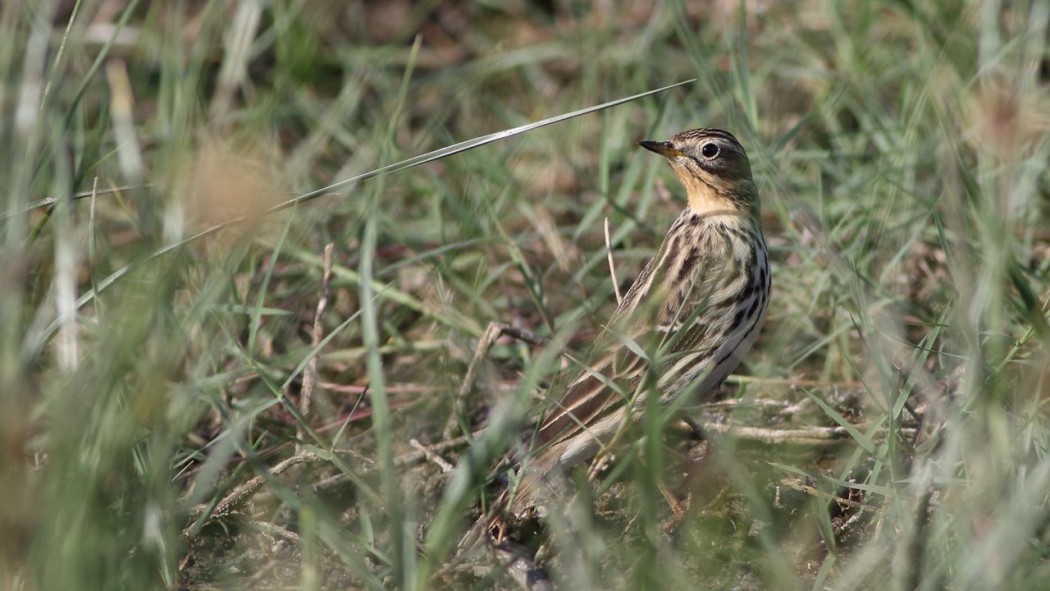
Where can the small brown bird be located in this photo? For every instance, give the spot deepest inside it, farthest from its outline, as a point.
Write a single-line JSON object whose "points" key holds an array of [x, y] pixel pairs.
{"points": [[693, 313]]}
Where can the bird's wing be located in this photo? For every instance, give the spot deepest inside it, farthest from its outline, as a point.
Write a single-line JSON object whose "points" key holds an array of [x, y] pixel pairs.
{"points": [[664, 308]]}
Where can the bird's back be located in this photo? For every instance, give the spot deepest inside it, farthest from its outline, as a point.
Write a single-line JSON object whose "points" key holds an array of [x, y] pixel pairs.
{"points": [[690, 316]]}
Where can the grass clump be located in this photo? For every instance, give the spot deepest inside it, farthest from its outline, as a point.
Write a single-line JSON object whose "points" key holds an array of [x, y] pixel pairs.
{"points": [[889, 429]]}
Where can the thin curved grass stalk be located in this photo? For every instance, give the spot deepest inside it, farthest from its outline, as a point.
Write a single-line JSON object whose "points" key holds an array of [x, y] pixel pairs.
{"points": [[36, 342]]}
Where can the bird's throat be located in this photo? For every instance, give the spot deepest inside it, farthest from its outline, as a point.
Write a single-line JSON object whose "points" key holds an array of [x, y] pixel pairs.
{"points": [[704, 198], [709, 195]]}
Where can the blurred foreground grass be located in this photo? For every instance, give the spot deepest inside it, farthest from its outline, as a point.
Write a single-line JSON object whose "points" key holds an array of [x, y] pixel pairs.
{"points": [[891, 431]]}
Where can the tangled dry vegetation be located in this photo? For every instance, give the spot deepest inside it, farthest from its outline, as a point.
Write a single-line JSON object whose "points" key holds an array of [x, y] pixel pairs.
{"points": [[281, 404]]}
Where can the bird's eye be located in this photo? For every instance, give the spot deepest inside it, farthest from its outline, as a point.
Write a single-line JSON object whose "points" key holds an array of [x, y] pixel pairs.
{"points": [[709, 150]]}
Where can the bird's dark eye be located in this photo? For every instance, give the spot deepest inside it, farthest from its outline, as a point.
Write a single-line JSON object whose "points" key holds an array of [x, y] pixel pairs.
{"points": [[709, 150]]}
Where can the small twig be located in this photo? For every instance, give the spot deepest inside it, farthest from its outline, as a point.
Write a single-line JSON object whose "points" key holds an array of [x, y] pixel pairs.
{"points": [[241, 493], [433, 457], [310, 372], [796, 484], [492, 333], [391, 389], [612, 265], [413, 457], [806, 436], [278, 531], [488, 338], [404, 459], [845, 525]]}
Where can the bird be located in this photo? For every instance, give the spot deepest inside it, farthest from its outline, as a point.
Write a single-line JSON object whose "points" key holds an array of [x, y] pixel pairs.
{"points": [[698, 305]]}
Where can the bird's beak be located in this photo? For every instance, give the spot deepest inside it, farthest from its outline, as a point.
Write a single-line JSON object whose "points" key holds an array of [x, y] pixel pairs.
{"points": [[664, 149]]}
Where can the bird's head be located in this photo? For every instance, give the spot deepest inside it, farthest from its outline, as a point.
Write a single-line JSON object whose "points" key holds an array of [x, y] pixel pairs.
{"points": [[714, 168]]}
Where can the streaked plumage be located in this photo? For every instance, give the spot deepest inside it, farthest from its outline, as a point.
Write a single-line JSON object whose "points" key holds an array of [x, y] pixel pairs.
{"points": [[694, 311]]}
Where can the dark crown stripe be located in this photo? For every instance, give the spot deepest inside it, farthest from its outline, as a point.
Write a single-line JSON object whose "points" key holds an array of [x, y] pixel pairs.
{"points": [[710, 132]]}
